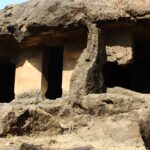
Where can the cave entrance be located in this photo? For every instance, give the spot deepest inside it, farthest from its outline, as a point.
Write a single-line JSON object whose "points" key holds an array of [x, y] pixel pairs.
{"points": [[141, 71], [7, 79], [53, 70], [135, 76], [115, 75]]}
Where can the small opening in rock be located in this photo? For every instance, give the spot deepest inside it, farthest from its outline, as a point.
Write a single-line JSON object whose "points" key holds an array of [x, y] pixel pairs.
{"points": [[11, 29], [7, 78], [108, 101], [87, 60]]}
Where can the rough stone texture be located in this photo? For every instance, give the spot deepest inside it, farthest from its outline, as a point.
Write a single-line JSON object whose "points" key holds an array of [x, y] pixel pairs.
{"points": [[116, 120], [87, 77], [26, 146], [119, 46], [144, 128], [22, 19], [120, 120]]}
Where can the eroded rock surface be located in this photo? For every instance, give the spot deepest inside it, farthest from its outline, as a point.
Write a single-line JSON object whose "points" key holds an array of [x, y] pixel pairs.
{"points": [[118, 119], [35, 15], [99, 119]]}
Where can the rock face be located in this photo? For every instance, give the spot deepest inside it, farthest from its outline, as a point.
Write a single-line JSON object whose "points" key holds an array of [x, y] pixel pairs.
{"points": [[100, 118], [91, 67], [35, 14], [118, 119], [144, 128], [33, 24], [25, 146]]}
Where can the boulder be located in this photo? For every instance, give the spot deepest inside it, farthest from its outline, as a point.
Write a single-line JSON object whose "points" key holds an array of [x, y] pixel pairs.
{"points": [[105, 121]]}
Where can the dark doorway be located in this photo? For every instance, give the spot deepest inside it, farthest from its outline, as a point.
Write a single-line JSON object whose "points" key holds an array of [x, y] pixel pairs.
{"points": [[7, 79], [54, 67], [115, 75], [135, 76], [141, 71]]}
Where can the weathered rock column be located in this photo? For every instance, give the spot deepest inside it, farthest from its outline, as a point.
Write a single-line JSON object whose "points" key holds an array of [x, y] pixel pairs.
{"points": [[87, 76]]}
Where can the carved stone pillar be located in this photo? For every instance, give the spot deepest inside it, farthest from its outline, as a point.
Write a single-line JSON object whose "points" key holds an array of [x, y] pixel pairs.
{"points": [[87, 76]]}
